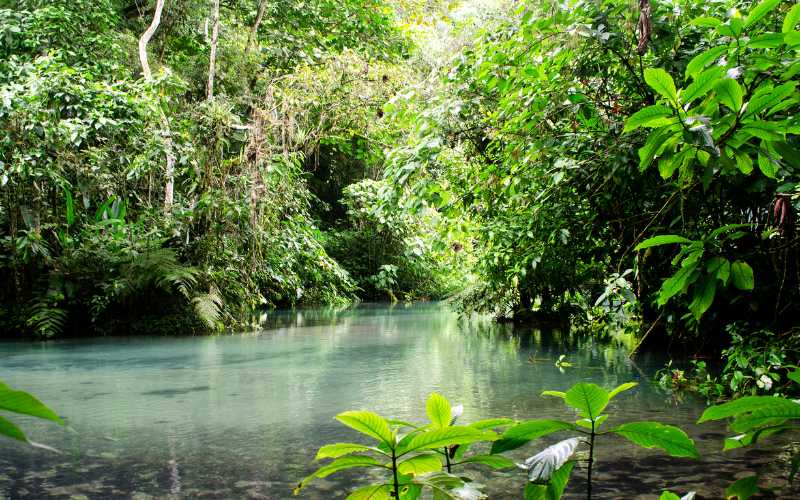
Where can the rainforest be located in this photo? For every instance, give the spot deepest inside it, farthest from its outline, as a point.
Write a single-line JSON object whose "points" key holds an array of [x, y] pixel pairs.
{"points": [[399, 249]]}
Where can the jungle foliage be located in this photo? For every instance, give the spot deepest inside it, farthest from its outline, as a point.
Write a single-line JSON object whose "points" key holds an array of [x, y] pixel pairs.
{"points": [[206, 186], [580, 140]]}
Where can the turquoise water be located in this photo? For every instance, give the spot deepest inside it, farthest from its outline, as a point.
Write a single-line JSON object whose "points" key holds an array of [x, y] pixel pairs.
{"points": [[241, 416]]}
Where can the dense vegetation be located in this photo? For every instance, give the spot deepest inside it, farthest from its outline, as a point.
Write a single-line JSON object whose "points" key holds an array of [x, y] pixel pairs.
{"points": [[196, 161]]}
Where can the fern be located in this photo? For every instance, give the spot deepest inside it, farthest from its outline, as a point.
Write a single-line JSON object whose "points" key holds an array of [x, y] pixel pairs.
{"points": [[46, 319], [161, 269], [208, 307]]}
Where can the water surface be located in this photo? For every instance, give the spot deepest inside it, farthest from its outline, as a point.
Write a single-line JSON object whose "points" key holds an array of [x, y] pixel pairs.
{"points": [[241, 416]]}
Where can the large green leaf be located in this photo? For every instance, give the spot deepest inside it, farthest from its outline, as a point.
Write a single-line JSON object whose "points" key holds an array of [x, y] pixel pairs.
{"points": [[742, 275], [660, 81], [765, 417], [677, 283], [337, 465], [703, 296], [651, 116], [23, 403], [7, 428], [742, 489], [729, 92], [661, 239], [703, 59], [760, 11], [371, 492], [368, 423], [791, 19], [657, 435], [702, 84], [420, 464], [438, 410], [493, 461], [744, 405], [621, 388], [491, 423], [524, 432], [337, 450], [448, 436], [589, 399]]}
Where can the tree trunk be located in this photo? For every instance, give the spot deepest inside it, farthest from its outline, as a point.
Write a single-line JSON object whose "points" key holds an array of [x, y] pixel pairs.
{"points": [[262, 6], [145, 39], [165, 132], [212, 61]]}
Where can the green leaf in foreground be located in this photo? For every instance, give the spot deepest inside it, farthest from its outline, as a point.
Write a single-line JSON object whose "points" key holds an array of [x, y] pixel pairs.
{"points": [[554, 489], [662, 239], [744, 405], [368, 423], [338, 465], [23, 403], [438, 410], [448, 436], [589, 399], [524, 432], [660, 81], [657, 435]]}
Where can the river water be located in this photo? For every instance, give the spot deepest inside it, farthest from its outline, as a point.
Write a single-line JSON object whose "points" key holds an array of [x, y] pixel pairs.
{"points": [[241, 416]]}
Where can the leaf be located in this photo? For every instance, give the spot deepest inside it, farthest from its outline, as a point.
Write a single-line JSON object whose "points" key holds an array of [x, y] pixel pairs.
{"points": [[660, 81], [703, 297], [524, 432], [368, 423], [438, 410], [768, 167], [371, 492], [791, 19], [765, 416], [589, 399], [768, 97], [677, 283], [651, 116], [760, 11], [743, 488], [9, 429], [554, 489], [661, 239], [491, 423], [448, 436], [493, 461], [729, 92], [23, 403], [656, 142], [742, 275], [557, 394], [337, 450], [747, 404], [621, 388], [705, 22], [420, 464], [337, 465], [702, 84], [541, 466], [668, 495], [657, 435], [703, 59]]}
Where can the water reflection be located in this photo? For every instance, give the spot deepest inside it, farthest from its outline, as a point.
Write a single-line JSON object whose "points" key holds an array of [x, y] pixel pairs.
{"points": [[242, 416]]}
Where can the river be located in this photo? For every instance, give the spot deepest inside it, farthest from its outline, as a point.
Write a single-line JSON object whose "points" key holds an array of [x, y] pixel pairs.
{"points": [[241, 416]]}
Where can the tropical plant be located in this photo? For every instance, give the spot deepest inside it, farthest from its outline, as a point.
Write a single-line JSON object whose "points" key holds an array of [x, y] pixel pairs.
{"points": [[22, 403], [411, 456], [549, 470]]}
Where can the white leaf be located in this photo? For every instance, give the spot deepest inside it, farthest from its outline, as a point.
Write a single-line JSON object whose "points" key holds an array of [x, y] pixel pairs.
{"points": [[542, 465]]}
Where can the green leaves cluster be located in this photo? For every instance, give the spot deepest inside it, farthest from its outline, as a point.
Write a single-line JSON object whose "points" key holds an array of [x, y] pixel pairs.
{"points": [[413, 456]]}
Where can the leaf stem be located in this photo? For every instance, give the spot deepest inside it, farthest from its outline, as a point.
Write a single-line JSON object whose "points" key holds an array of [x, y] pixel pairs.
{"points": [[394, 473], [447, 459], [591, 462]]}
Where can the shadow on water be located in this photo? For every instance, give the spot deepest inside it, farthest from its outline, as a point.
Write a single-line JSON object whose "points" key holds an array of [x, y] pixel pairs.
{"points": [[242, 416]]}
